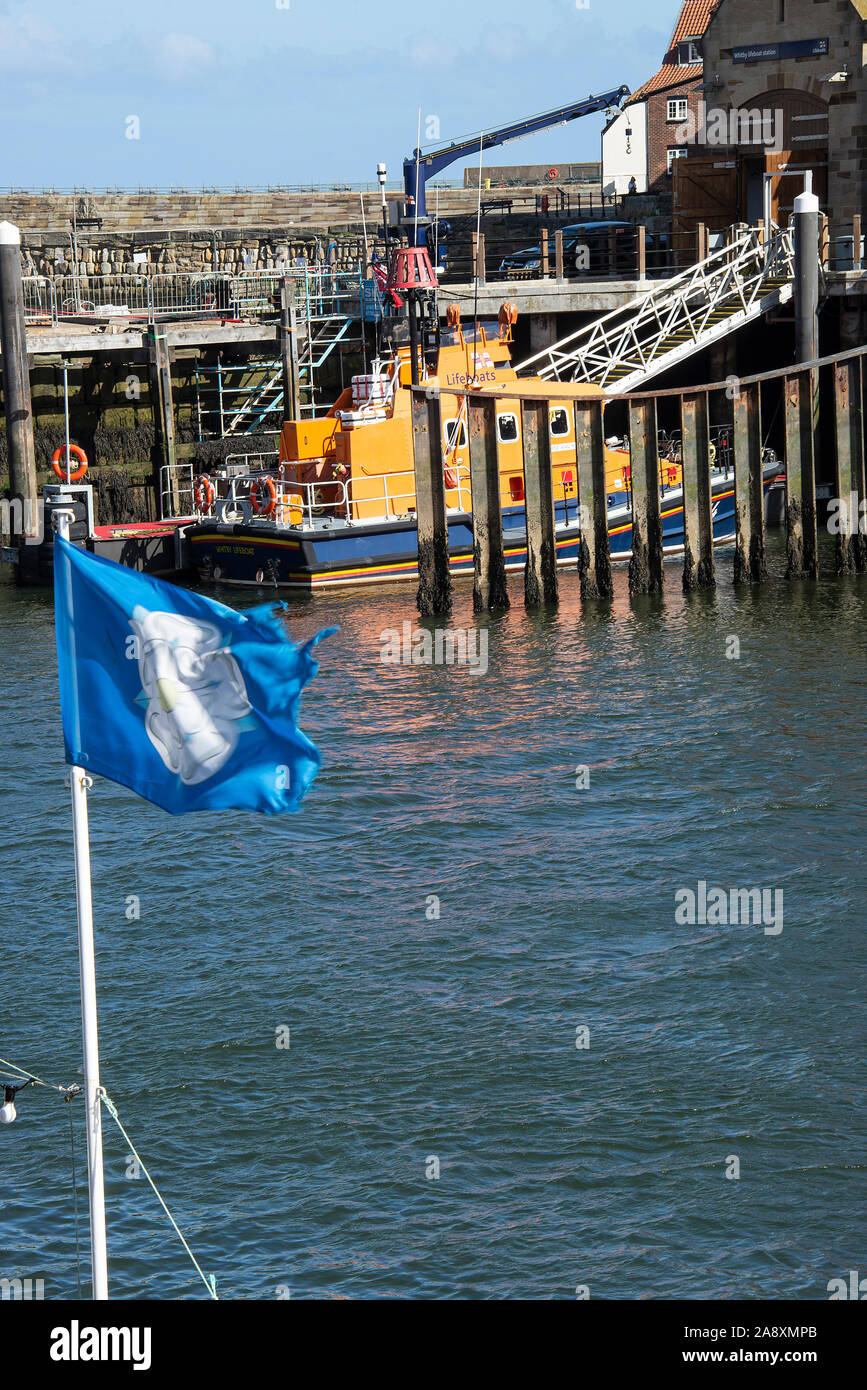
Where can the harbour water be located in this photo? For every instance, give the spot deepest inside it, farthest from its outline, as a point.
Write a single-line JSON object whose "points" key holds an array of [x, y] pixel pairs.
{"points": [[453, 904]]}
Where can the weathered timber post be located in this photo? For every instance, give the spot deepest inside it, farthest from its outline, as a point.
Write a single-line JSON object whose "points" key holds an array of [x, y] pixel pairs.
{"points": [[641, 252], [802, 555], [857, 258], [646, 564], [851, 544], [434, 596], [545, 259], [289, 351], [594, 555], [540, 573], [698, 559], [558, 255], [162, 406], [489, 561], [749, 564], [16, 383]]}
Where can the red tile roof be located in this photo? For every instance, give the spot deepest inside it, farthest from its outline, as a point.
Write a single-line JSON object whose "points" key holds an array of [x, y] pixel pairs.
{"points": [[692, 22]]}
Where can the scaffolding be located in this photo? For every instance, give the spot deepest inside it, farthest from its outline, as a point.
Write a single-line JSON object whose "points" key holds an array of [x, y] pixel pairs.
{"points": [[238, 398]]}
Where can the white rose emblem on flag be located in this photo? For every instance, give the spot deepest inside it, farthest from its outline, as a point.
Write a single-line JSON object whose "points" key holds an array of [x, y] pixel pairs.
{"points": [[196, 696]]}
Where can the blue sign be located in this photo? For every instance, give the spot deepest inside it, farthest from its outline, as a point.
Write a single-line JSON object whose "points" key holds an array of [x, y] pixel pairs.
{"points": [[768, 52]]}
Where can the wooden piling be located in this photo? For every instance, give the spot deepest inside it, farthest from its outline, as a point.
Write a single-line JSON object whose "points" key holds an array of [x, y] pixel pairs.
{"points": [[545, 256], [800, 392], [594, 555], [558, 254], [851, 544], [540, 572], [646, 564], [162, 405], [16, 383], [289, 351], [489, 561], [749, 561], [698, 559], [434, 596], [641, 252]]}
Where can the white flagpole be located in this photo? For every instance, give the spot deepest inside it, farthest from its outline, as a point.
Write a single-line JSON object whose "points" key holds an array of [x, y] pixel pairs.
{"points": [[81, 845]]}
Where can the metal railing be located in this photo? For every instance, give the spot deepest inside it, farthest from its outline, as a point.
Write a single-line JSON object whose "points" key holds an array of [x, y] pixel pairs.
{"points": [[323, 293], [675, 318], [39, 298], [176, 492], [330, 497]]}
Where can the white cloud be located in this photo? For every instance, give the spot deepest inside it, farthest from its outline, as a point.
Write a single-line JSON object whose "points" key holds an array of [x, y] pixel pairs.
{"points": [[30, 40], [182, 56]]}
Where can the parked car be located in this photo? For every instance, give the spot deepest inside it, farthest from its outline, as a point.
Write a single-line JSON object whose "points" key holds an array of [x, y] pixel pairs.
{"points": [[587, 251]]}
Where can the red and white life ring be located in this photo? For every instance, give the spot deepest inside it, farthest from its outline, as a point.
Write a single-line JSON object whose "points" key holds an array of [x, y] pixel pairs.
{"points": [[263, 505], [74, 452], [204, 493], [553, 173]]}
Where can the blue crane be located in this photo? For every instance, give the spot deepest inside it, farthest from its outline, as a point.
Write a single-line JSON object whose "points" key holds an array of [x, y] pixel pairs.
{"points": [[422, 167]]}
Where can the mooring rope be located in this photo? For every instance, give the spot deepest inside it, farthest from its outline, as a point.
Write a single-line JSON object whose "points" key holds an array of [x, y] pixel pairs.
{"points": [[69, 1093], [19, 1074], [209, 1280]]}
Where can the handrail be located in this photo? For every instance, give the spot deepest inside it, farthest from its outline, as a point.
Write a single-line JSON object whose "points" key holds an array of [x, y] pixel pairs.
{"points": [[688, 300]]}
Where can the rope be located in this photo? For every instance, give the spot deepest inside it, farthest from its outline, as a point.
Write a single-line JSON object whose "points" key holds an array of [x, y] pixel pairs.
{"points": [[75, 1199], [208, 1280], [69, 1093], [20, 1073]]}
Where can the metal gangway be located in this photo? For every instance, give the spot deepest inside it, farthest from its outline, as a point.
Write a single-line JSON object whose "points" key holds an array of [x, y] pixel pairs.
{"points": [[677, 317]]}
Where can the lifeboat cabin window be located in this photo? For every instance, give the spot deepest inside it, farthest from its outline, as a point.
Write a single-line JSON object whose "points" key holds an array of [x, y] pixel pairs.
{"points": [[559, 422], [507, 428], [455, 434]]}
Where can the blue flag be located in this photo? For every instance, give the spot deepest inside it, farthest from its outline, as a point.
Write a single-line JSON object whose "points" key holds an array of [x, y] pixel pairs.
{"points": [[183, 700]]}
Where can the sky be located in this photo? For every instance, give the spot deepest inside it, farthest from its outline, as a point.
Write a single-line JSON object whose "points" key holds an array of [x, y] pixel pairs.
{"points": [[299, 91]]}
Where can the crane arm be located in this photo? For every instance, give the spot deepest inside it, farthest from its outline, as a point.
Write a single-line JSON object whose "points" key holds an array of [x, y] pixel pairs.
{"points": [[433, 161]]}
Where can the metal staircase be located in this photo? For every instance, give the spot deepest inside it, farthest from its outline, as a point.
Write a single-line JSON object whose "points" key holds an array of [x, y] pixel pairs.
{"points": [[675, 319]]}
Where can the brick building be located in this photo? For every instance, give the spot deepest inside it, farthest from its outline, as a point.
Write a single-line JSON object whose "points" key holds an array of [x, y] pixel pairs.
{"points": [[785, 90], [644, 140]]}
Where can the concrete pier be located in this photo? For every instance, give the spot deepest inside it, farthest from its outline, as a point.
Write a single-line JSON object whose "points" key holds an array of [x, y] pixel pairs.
{"points": [[801, 402], [434, 595], [646, 566], [698, 561], [489, 582], [540, 573], [16, 383], [749, 564]]}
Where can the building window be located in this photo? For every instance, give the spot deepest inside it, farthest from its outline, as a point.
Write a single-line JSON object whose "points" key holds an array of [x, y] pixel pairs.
{"points": [[677, 152], [677, 109], [782, 11], [689, 51]]}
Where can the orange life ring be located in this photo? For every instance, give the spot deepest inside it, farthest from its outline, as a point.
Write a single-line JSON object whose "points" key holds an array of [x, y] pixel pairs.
{"points": [[204, 493], [267, 486], [79, 472], [553, 173]]}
